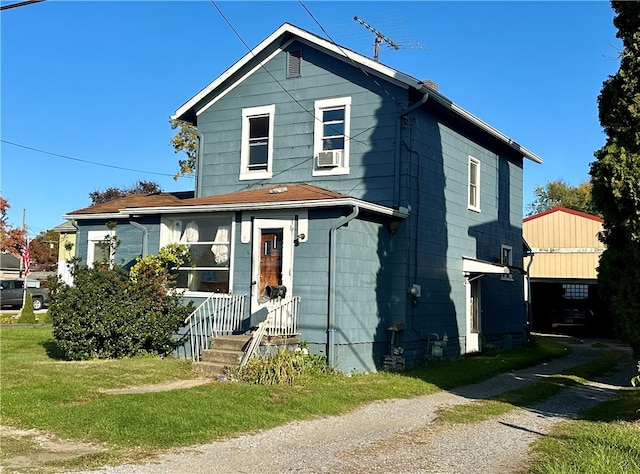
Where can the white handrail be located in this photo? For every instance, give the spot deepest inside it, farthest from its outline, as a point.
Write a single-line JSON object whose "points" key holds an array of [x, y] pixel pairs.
{"points": [[217, 315]]}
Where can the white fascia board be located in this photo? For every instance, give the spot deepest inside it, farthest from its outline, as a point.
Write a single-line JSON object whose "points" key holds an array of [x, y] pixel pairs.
{"points": [[253, 206], [313, 40], [473, 265], [481, 124]]}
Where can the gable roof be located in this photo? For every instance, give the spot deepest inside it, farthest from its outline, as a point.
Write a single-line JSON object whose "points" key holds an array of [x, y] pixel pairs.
{"points": [[281, 196], [287, 33], [565, 210]]}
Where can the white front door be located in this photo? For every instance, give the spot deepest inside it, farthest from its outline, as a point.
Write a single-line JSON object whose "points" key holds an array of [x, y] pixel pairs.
{"points": [[473, 315], [272, 260]]}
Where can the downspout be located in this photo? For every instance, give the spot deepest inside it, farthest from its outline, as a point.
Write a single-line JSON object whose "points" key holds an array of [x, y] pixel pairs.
{"points": [[145, 236], [528, 277], [401, 117], [331, 303], [199, 162]]}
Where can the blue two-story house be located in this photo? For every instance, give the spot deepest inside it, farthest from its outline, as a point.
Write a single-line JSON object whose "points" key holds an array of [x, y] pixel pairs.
{"points": [[344, 197]]}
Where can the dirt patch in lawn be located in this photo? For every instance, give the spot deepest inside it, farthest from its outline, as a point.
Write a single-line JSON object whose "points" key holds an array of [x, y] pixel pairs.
{"points": [[34, 450]]}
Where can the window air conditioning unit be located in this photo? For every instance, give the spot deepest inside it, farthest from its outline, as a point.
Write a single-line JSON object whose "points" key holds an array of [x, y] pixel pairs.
{"points": [[329, 159]]}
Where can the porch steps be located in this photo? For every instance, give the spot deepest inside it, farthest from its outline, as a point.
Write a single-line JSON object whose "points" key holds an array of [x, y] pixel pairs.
{"points": [[225, 352]]}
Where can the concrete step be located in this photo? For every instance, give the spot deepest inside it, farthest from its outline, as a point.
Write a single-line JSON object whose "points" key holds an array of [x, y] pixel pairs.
{"points": [[221, 356], [210, 369], [230, 343]]}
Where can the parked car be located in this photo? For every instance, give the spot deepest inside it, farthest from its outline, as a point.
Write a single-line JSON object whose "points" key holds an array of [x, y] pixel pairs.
{"points": [[12, 294], [570, 317]]}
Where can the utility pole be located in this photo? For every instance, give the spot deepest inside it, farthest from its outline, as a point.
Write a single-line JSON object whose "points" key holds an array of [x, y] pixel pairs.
{"points": [[379, 38]]}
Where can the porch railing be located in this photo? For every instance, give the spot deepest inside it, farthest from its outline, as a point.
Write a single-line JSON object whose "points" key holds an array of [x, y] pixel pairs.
{"points": [[217, 315], [280, 321]]}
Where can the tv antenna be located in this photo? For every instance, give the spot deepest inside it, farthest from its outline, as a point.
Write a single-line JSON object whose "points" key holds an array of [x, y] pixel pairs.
{"points": [[379, 38]]}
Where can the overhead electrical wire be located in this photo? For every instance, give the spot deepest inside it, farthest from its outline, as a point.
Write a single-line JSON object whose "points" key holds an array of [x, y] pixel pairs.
{"points": [[66, 157]]}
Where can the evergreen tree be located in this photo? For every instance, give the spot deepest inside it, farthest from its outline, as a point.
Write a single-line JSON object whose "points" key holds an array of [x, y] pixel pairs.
{"points": [[615, 177]]}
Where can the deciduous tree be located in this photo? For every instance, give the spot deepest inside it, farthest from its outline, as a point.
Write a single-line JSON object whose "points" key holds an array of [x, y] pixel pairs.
{"points": [[185, 140], [615, 175], [559, 193], [12, 238], [111, 193]]}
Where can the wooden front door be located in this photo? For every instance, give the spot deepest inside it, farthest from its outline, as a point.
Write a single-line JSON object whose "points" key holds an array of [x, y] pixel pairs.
{"points": [[272, 260]]}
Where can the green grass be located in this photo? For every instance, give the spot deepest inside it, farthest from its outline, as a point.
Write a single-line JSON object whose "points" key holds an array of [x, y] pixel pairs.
{"points": [[39, 390], [605, 441]]}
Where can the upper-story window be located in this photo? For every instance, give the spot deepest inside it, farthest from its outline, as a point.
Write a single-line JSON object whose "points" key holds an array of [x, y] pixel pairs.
{"points": [[473, 200], [257, 142], [331, 136]]}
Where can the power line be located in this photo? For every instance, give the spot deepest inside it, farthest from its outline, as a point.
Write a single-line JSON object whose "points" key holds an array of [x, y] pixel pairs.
{"points": [[81, 160], [20, 4]]}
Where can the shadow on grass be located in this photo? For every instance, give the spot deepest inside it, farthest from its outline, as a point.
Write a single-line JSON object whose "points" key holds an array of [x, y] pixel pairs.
{"points": [[53, 350]]}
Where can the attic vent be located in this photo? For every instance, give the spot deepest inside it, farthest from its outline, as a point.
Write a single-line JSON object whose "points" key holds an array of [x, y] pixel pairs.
{"points": [[294, 60]]}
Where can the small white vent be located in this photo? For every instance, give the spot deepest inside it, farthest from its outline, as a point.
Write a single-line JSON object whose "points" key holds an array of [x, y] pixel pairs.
{"points": [[329, 159]]}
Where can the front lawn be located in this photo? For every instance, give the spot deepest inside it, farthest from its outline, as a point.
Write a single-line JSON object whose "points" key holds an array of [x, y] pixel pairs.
{"points": [[39, 390]]}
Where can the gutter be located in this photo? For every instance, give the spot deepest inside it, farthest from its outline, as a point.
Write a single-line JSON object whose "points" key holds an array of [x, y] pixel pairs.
{"points": [[331, 301], [145, 236], [459, 111]]}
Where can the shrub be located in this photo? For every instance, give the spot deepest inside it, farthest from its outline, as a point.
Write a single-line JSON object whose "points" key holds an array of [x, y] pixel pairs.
{"points": [[282, 368], [106, 314], [27, 315]]}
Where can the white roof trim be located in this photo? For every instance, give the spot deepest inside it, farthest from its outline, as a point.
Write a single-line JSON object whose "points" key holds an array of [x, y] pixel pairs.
{"points": [[310, 39], [322, 203], [473, 265]]}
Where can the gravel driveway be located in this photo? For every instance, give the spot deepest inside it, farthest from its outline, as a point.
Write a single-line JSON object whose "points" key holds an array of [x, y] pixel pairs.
{"points": [[399, 435]]}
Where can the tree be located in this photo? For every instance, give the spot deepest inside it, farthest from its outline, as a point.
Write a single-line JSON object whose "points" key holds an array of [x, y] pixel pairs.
{"points": [[185, 140], [615, 175], [12, 238], [559, 193], [111, 193], [43, 250]]}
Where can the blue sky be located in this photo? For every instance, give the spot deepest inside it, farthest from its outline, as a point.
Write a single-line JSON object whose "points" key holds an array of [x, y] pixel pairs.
{"points": [[97, 81]]}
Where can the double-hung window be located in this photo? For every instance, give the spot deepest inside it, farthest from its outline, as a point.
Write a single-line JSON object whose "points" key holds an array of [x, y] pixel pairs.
{"points": [[473, 200], [257, 142], [208, 240], [331, 136]]}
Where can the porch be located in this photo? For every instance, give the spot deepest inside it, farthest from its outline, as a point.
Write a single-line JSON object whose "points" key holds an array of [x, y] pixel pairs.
{"points": [[226, 318]]}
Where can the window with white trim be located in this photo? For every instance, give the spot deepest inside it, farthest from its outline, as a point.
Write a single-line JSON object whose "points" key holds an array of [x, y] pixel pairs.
{"points": [[208, 240], [256, 154], [506, 258], [101, 247], [473, 200], [331, 136]]}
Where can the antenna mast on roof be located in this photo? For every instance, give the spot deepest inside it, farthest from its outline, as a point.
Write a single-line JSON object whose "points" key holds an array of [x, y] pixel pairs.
{"points": [[379, 38]]}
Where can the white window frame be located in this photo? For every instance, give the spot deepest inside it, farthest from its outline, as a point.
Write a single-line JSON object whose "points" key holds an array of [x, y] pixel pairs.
{"points": [[95, 238], [509, 262], [319, 107], [473, 184], [172, 230], [247, 115]]}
